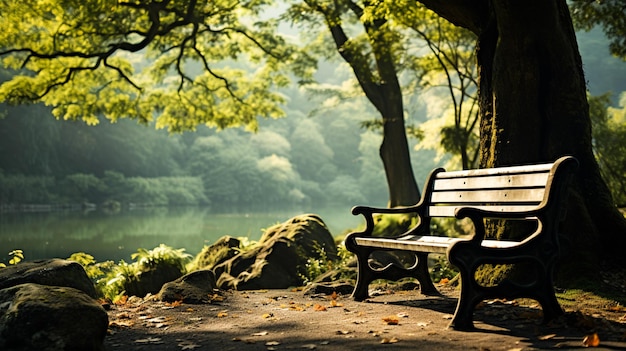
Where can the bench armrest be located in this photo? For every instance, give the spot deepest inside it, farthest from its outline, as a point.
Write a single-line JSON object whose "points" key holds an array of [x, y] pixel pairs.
{"points": [[369, 211], [476, 215], [368, 214]]}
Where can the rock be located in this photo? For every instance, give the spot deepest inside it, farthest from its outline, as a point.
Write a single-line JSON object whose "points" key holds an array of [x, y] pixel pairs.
{"points": [[223, 249], [151, 279], [50, 318], [54, 272], [279, 259], [195, 287]]}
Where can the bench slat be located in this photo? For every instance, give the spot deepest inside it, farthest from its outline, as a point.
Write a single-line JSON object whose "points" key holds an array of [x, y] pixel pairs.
{"points": [[492, 182], [448, 211], [501, 170], [489, 196], [434, 244]]}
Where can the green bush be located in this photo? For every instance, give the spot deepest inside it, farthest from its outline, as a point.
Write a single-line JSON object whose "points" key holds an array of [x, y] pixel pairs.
{"points": [[111, 279]]}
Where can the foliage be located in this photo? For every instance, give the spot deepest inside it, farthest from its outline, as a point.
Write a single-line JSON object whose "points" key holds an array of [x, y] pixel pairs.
{"points": [[442, 270], [316, 267], [97, 272], [79, 188], [393, 224], [16, 257], [609, 14], [161, 254], [110, 278], [609, 143], [18, 189], [445, 68], [84, 59]]}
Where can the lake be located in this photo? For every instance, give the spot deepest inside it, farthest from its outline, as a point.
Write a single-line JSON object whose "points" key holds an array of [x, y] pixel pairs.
{"points": [[115, 236]]}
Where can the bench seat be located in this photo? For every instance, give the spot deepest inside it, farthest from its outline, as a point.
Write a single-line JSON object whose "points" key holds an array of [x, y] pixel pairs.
{"points": [[433, 244]]}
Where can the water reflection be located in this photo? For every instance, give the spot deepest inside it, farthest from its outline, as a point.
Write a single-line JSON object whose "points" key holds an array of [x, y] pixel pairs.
{"points": [[115, 236]]}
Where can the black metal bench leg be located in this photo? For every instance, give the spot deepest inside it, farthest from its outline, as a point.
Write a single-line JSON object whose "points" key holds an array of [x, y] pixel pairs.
{"points": [[468, 299], [549, 304], [421, 273], [364, 276]]}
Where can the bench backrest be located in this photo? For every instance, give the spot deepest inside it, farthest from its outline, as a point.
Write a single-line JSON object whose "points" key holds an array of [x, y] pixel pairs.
{"points": [[505, 189]]}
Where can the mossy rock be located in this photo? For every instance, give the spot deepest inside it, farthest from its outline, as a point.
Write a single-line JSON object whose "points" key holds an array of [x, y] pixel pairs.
{"points": [[52, 272], [279, 259], [50, 318], [223, 249]]}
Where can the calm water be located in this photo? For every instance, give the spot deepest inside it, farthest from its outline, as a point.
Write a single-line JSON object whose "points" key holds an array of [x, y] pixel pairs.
{"points": [[117, 236]]}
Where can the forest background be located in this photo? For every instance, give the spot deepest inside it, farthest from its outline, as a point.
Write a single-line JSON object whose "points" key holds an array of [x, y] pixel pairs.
{"points": [[319, 154]]}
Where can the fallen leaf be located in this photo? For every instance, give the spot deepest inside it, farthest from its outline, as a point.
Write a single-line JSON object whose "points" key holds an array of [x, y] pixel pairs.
{"points": [[188, 345], [296, 308], [149, 341], [591, 340], [217, 298], [222, 314], [319, 307], [121, 300], [263, 333], [391, 320], [334, 303], [174, 303], [157, 320], [403, 315], [388, 340], [444, 281], [267, 315], [546, 337], [272, 343]]}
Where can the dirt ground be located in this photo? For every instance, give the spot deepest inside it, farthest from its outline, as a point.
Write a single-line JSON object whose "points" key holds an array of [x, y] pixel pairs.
{"points": [[401, 320]]}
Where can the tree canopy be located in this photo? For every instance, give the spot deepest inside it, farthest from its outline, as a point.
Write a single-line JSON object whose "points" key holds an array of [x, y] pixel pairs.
{"points": [[608, 14], [86, 59]]}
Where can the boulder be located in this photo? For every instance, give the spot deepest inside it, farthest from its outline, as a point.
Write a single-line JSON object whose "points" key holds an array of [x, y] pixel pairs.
{"points": [[50, 318], [223, 249], [279, 259], [195, 287], [151, 279], [53, 272]]}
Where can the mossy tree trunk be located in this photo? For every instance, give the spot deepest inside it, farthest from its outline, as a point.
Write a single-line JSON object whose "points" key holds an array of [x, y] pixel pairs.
{"points": [[534, 108]]}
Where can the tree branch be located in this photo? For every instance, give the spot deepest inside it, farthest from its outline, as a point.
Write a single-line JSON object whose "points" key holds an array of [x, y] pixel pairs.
{"points": [[468, 14]]}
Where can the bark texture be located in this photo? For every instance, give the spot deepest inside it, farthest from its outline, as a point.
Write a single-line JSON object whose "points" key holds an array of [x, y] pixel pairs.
{"points": [[534, 109]]}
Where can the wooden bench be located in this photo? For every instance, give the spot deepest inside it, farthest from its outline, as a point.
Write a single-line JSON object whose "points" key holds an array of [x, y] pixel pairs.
{"points": [[534, 193]]}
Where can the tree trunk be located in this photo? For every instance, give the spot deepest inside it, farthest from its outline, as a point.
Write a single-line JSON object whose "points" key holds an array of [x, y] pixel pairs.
{"points": [[394, 152], [383, 90], [534, 109]]}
